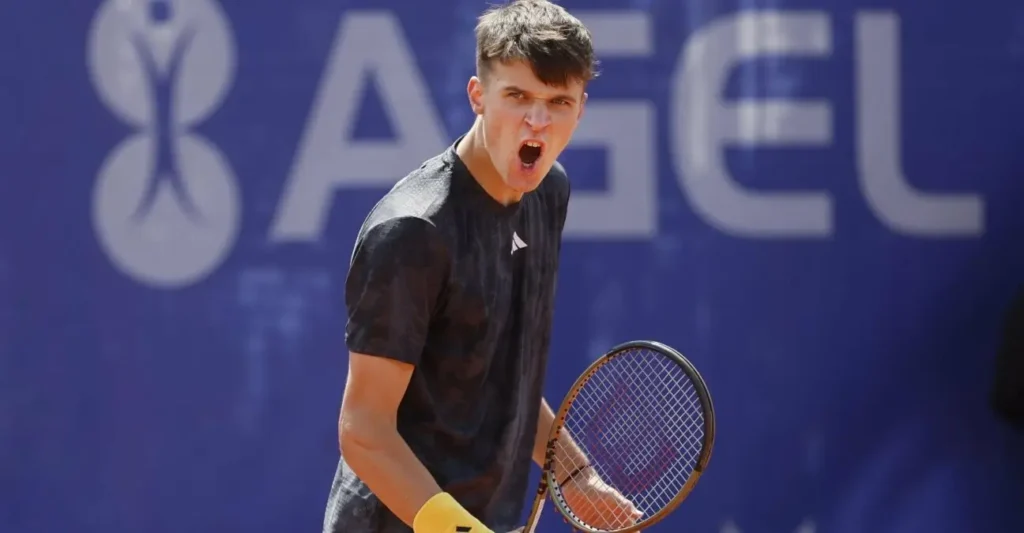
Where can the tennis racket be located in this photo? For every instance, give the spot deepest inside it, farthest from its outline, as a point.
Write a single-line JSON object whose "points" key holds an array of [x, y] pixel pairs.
{"points": [[639, 421]]}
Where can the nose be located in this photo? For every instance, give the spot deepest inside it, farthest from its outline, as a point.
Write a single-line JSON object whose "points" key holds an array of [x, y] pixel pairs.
{"points": [[537, 116]]}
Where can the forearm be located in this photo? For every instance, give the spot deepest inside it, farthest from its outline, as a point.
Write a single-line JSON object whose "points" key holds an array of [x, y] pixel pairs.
{"points": [[545, 420], [384, 461], [568, 454]]}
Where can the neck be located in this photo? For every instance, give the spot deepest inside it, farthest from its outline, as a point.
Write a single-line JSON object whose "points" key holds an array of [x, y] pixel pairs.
{"points": [[473, 152]]}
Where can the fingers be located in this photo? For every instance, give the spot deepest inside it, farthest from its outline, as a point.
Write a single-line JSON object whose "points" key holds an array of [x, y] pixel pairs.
{"points": [[634, 513], [624, 511]]}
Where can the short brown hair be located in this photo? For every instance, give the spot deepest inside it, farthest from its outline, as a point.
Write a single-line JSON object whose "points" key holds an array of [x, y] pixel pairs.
{"points": [[556, 44]]}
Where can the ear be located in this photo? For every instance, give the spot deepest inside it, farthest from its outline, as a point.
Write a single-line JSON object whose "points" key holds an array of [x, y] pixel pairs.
{"points": [[475, 91], [583, 106]]}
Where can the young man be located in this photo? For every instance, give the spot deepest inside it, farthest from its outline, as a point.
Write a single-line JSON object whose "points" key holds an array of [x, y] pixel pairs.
{"points": [[450, 298]]}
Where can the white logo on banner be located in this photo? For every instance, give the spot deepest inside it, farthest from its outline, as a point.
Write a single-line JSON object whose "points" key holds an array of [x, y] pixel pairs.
{"points": [[165, 203]]}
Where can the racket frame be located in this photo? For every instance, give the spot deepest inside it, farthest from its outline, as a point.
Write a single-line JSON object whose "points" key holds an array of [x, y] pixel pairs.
{"points": [[548, 483]]}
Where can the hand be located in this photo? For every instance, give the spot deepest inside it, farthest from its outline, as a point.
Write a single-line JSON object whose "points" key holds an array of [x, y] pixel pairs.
{"points": [[598, 505]]}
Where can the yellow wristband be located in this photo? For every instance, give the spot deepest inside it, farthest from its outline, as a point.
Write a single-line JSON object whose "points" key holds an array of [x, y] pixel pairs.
{"points": [[442, 514]]}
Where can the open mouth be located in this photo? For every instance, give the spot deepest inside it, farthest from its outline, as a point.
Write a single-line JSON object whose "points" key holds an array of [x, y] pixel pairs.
{"points": [[529, 153]]}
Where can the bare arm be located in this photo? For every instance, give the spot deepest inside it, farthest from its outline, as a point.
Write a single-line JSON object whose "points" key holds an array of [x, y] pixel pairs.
{"points": [[540, 441], [369, 438], [568, 455], [399, 269]]}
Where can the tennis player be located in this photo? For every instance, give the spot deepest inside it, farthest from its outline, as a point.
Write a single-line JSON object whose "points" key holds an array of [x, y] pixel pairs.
{"points": [[450, 297]]}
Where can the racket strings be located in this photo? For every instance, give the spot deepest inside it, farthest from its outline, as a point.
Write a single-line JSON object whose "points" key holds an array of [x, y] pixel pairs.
{"points": [[640, 424]]}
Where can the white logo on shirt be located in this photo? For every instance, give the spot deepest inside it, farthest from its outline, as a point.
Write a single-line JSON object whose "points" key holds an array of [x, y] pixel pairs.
{"points": [[517, 243]]}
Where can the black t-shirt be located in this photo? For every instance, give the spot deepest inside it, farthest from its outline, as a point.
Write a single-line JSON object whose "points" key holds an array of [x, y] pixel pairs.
{"points": [[445, 278]]}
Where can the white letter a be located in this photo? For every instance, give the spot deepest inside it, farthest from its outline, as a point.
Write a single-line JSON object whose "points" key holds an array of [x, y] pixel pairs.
{"points": [[368, 44]]}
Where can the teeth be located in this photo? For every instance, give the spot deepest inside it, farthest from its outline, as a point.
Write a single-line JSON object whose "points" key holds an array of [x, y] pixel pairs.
{"points": [[533, 144]]}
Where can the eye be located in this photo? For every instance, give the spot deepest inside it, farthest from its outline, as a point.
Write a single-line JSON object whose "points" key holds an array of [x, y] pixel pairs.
{"points": [[515, 95], [560, 101]]}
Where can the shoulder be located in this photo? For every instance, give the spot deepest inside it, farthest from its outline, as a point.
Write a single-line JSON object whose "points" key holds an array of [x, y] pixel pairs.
{"points": [[420, 194], [400, 237], [560, 185], [397, 229], [405, 254], [556, 191]]}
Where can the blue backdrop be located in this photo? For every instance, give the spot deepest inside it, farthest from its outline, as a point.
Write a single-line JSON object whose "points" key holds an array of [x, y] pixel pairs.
{"points": [[818, 204]]}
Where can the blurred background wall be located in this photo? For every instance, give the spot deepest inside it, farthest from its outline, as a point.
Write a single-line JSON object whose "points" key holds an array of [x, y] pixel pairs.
{"points": [[819, 203]]}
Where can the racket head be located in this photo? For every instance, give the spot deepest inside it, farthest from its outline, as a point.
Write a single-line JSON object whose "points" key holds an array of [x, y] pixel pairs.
{"points": [[644, 417]]}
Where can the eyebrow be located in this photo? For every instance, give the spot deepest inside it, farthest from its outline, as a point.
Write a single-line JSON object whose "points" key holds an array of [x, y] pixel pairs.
{"points": [[563, 96]]}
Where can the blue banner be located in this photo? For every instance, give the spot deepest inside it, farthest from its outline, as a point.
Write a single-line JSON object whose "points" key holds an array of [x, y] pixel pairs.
{"points": [[819, 206]]}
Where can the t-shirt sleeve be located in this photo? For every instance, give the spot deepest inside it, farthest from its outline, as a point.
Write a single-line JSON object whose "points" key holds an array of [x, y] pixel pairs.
{"points": [[398, 270]]}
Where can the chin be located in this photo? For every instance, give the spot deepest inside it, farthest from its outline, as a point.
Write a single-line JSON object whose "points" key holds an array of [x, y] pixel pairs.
{"points": [[523, 183]]}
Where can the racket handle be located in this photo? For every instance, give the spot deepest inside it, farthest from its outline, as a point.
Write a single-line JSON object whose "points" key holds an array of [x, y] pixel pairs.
{"points": [[538, 507]]}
